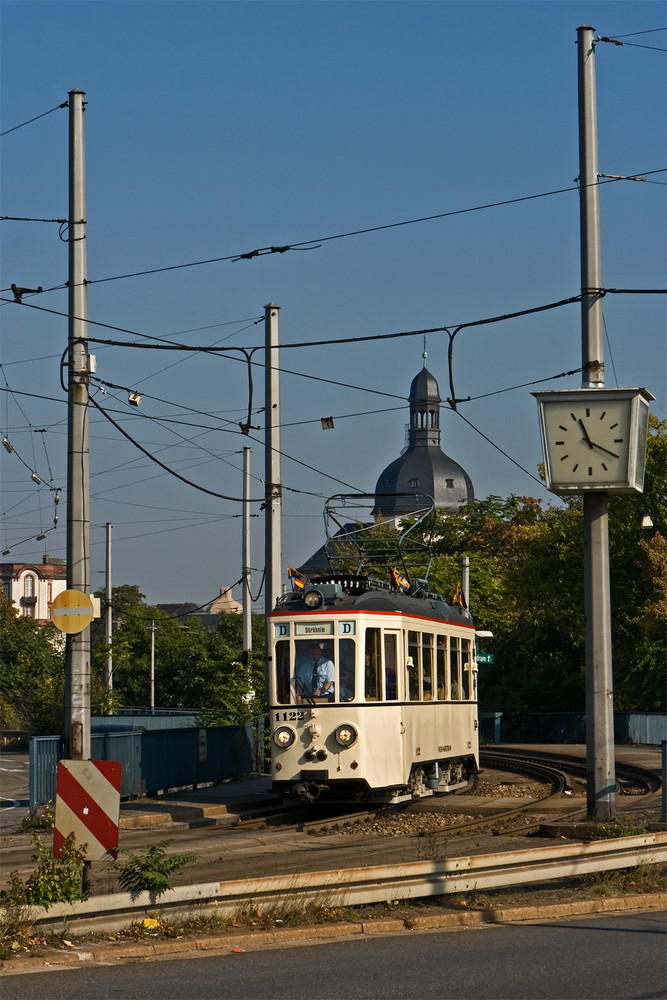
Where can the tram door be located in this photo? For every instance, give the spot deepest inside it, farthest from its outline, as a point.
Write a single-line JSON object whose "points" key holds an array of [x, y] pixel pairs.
{"points": [[391, 666], [392, 654]]}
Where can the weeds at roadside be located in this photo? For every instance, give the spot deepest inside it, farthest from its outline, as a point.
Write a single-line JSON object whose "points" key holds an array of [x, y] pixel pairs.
{"points": [[151, 871], [54, 880], [616, 828], [45, 819], [639, 878]]}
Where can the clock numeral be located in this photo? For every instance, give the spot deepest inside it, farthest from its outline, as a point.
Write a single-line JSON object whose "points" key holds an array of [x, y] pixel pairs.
{"points": [[618, 440], [559, 442], [602, 415], [561, 428], [575, 467], [605, 467], [573, 417], [588, 412], [564, 457], [613, 426], [590, 471]]}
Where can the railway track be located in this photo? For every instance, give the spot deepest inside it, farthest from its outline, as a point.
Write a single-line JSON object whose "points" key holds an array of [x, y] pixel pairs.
{"points": [[297, 841]]}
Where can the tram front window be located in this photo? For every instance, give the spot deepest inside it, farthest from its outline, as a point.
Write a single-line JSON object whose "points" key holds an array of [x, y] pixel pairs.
{"points": [[314, 671], [372, 665], [346, 670], [283, 671]]}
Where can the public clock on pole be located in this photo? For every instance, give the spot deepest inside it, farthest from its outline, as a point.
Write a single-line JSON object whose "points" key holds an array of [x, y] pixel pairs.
{"points": [[594, 439]]}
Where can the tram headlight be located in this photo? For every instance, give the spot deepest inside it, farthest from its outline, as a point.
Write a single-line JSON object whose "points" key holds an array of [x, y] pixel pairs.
{"points": [[346, 735], [313, 599], [284, 737]]}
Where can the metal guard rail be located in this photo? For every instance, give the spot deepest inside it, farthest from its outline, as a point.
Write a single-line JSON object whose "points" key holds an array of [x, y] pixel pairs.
{"points": [[356, 886]]}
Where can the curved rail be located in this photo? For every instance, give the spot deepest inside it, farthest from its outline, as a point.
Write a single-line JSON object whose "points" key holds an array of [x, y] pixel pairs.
{"points": [[630, 773]]}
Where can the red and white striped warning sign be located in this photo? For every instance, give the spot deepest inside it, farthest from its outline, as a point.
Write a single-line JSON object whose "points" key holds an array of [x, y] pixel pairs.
{"points": [[88, 805]]}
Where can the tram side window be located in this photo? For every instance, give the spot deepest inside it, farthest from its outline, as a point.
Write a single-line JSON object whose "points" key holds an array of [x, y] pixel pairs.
{"points": [[466, 669], [413, 671], [390, 674], [441, 666], [454, 668], [346, 674], [372, 665], [282, 667], [427, 665]]}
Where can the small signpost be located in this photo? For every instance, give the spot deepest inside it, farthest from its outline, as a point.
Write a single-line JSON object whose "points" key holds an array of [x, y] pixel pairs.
{"points": [[88, 805], [485, 657], [72, 611]]}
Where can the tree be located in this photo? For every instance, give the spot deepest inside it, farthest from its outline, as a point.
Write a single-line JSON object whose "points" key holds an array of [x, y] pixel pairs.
{"points": [[32, 672], [196, 666], [527, 587]]}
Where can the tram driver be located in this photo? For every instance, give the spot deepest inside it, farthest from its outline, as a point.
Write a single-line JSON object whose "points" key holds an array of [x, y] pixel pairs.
{"points": [[314, 675]]}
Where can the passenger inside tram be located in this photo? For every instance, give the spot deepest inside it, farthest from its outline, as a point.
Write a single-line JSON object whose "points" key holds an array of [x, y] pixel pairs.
{"points": [[314, 674]]}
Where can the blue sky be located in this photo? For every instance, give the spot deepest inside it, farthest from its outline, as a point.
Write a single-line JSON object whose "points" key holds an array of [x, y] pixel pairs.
{"points": [[216, 128]]}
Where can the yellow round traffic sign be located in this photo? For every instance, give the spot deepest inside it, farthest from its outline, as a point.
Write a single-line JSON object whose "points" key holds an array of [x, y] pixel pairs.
{"points": [[72, 611]]}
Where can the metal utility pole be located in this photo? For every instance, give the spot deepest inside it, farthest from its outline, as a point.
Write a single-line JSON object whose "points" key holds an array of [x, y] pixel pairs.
{"points": [[108, 621], [77, 665], [600, 765], [152, 694], [465, 579], [272, 474], [245, 571]]}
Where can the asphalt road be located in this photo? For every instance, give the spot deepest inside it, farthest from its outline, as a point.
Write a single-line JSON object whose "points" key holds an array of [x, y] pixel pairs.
{"points": [[14, 777], [598, 958]]}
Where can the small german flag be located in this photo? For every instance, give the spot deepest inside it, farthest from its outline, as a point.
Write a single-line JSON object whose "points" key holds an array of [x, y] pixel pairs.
{"points": [[293, 574], [459, 597]]}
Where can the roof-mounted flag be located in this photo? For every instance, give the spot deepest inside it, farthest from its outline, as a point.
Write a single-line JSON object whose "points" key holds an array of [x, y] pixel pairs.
{"points": [[459, 597], [399, 582], [295, 577]]}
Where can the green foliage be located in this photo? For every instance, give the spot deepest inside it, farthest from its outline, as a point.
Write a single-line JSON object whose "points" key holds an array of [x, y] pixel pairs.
{"points": [[43, 820], [526, 586], [196, 665], [151, 871], [55, 880], [31, 673], [616, 828]]}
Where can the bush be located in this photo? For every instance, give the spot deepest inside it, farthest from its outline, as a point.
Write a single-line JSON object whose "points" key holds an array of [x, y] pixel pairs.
{"points": [[151, 871], [55, 880]]}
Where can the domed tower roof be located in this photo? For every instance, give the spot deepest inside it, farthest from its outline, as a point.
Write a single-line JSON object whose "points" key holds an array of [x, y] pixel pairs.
{"points": [[424, 386], [423, 467]]}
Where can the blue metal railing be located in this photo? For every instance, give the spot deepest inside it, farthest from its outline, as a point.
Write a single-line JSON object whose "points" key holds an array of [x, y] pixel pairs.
{"points": [[152, 761]]}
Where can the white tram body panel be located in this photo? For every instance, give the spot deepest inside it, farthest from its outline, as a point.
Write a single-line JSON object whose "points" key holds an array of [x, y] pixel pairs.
{"points": [[400, 718]]}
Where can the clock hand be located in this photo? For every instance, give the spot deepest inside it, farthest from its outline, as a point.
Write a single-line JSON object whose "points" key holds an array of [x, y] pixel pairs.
{"points": [[612, 453], [585, 433]]}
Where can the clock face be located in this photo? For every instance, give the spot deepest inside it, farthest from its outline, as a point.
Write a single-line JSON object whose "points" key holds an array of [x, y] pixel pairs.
{"points": [[588, 440]]}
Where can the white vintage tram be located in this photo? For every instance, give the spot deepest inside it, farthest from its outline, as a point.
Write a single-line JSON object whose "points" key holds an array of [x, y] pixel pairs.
{"points": [[399, 720]]}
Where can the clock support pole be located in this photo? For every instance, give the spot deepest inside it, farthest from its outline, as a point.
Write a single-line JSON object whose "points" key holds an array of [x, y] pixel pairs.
{"points": [[600, 765]]}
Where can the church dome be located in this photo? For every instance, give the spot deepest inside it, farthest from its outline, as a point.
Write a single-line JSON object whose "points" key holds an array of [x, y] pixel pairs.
{"points": [[422, 470], [423, 467]]}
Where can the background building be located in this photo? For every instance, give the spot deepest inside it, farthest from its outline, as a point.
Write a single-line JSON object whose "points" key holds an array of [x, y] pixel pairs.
{"points": [[422, 466], [33, 587]]}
